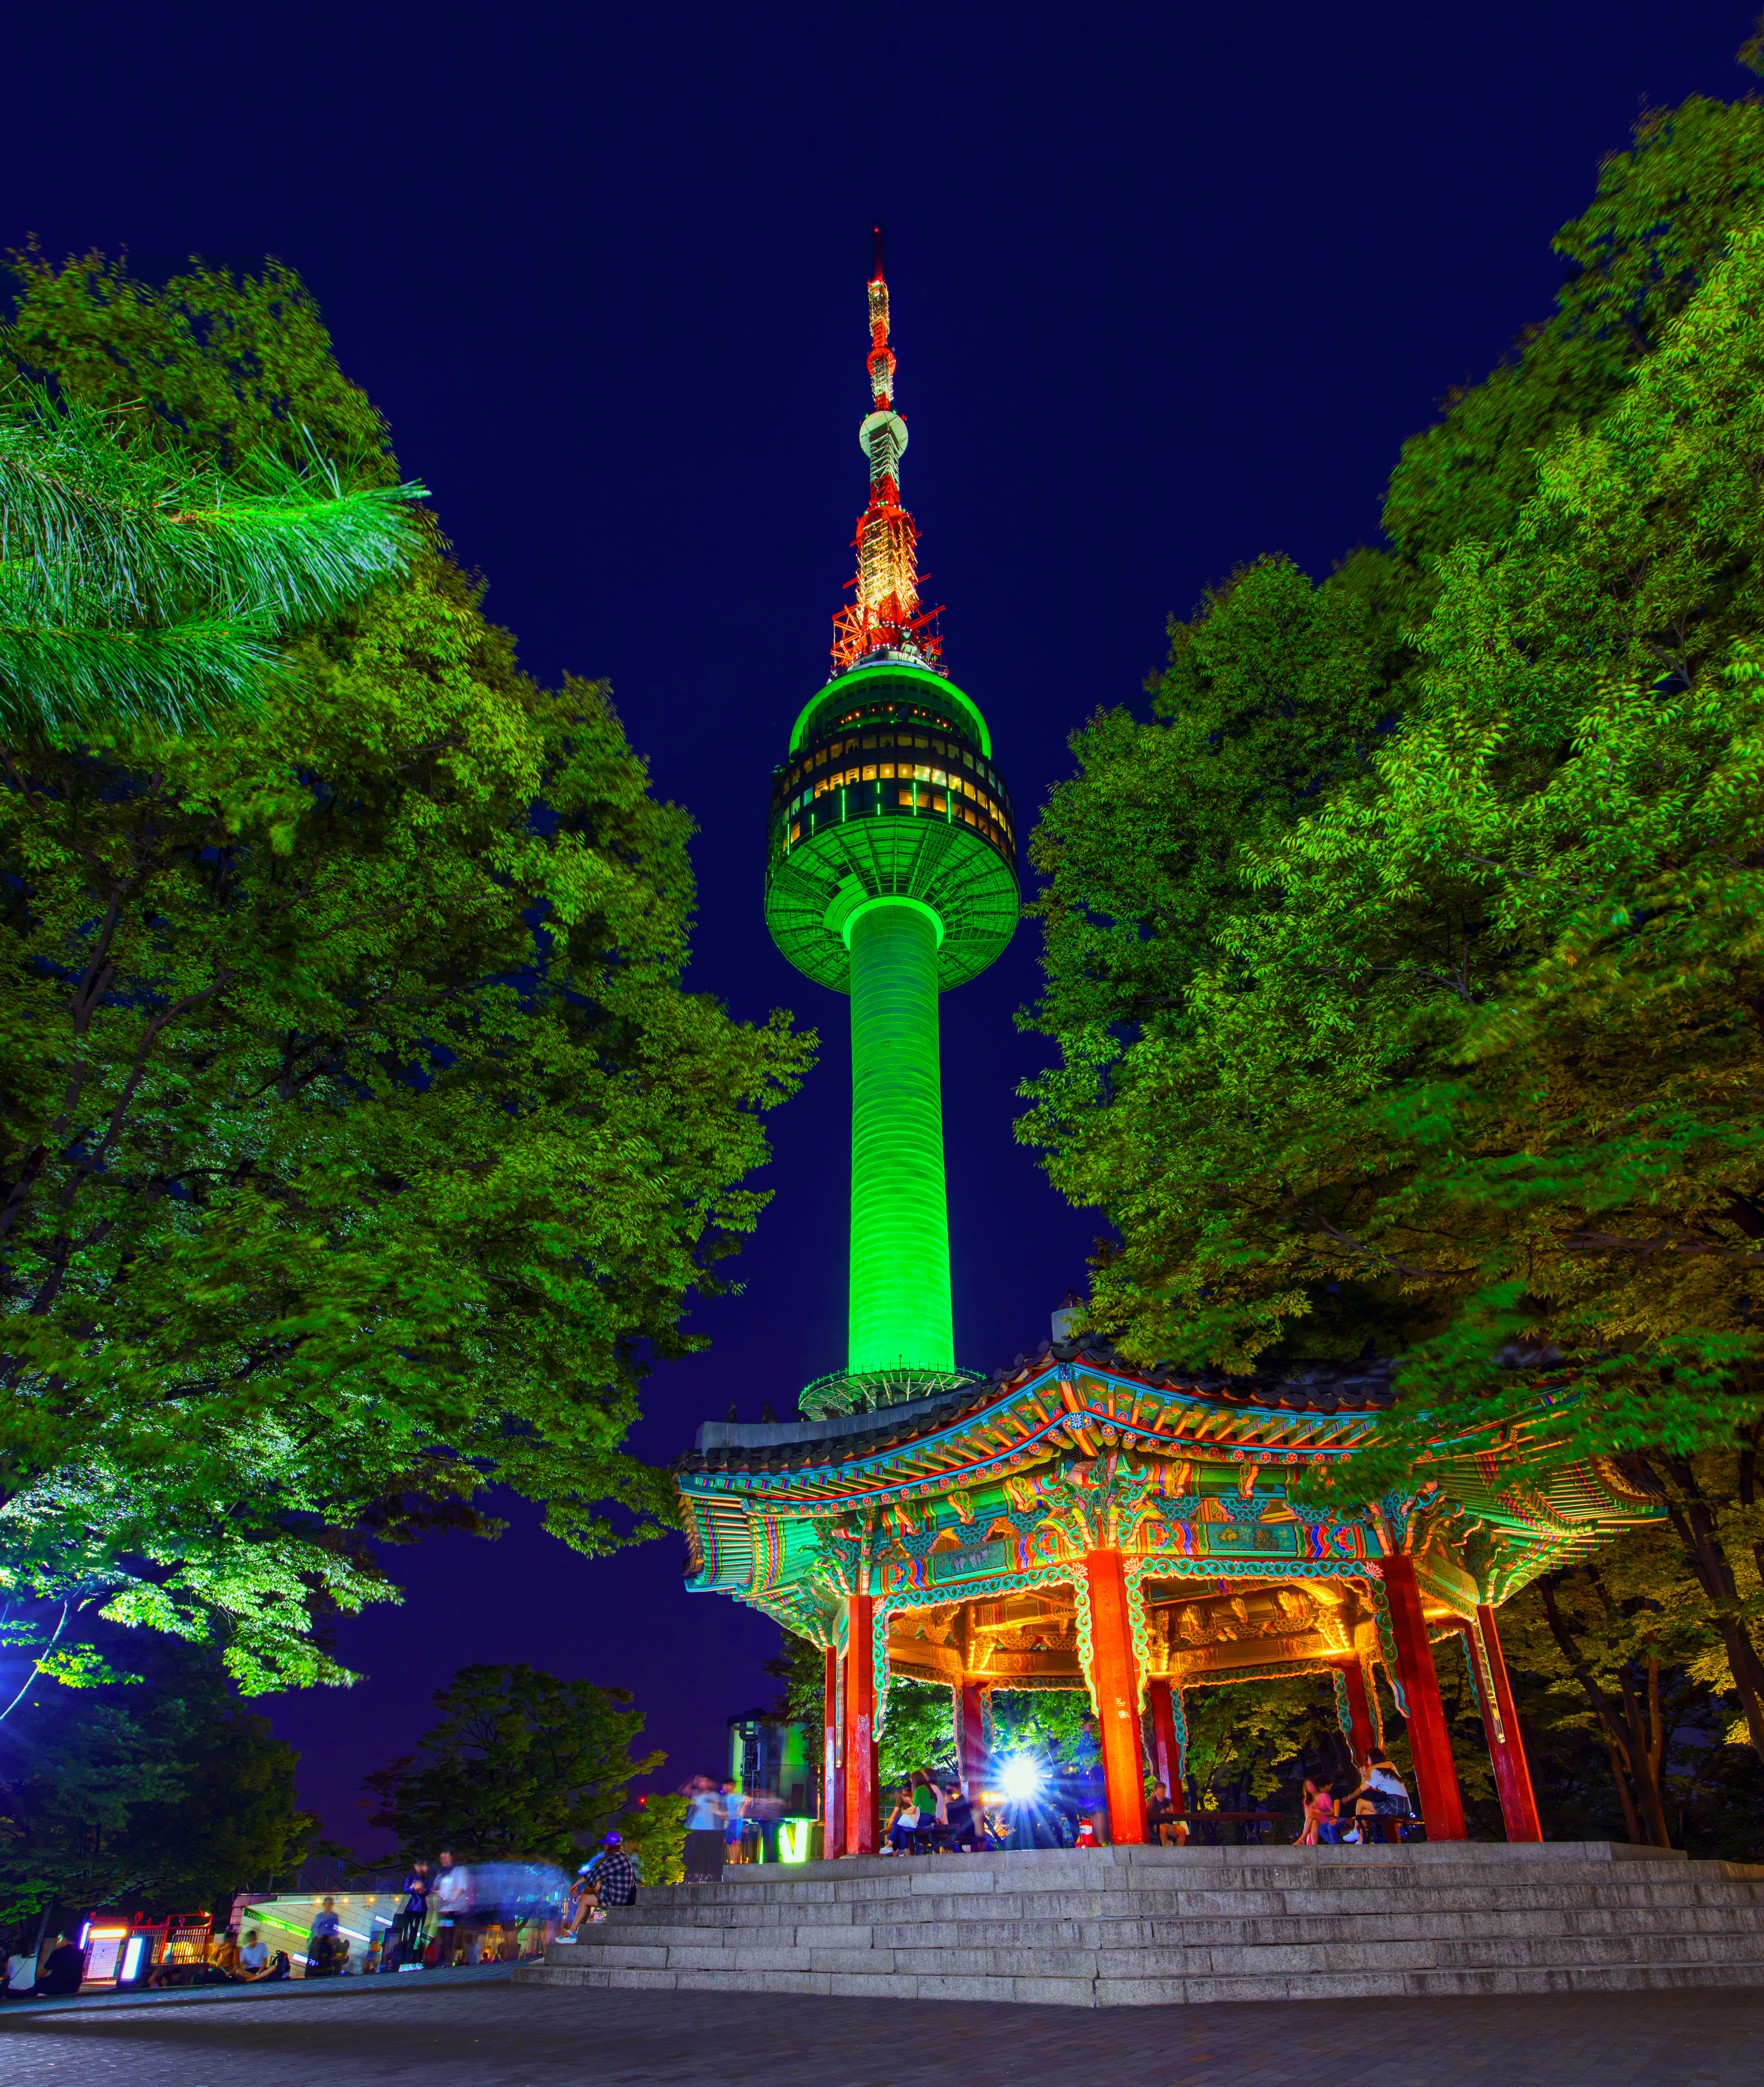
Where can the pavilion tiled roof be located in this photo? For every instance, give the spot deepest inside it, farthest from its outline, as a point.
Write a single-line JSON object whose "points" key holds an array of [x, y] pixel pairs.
{"points": [[776, 1446]]}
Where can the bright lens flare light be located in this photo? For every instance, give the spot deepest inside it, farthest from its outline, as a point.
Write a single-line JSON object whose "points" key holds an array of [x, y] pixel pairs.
{"points": [[1019, 1778]]}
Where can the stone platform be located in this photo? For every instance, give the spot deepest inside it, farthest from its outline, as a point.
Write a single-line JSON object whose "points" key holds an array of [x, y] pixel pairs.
{"points": [[1148, 1927]]}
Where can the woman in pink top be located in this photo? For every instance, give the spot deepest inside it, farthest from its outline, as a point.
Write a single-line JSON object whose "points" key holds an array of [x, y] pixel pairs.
{"points": [[1319, 1812]]}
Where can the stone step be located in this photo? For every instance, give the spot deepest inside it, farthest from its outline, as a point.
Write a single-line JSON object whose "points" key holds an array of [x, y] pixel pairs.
{"points": [[1311, 1894], [1358, 1931], [950, 1882], [1162, 1991], [1614, 1900], [1135, 1868], [1131, 1931], [1118, 1955]]}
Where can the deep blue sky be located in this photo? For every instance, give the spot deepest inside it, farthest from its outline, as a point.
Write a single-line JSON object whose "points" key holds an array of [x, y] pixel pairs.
{"points": [[1170, 286]]}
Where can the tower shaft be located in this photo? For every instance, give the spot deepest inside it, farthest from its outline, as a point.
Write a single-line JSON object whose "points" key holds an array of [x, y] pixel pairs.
{"points": [[899, 1297], [891, 875]]}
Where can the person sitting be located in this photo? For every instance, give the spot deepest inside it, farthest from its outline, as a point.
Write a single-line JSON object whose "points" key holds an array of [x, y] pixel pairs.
{"points": [[63, 1970], [902, 1821], [927, 1801], [174, 1975], [256, 1964], [959, 1817], [617, 1874], [1319, 1807], [1381, 1799], [21, 1970], [329, 1952], [1166, 1826]]}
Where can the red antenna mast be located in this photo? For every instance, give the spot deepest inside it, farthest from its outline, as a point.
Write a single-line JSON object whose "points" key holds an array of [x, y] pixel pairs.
{"points": [[884, 614]]}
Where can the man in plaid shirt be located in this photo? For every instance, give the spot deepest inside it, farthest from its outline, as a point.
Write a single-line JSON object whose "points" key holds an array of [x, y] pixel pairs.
{"points": [[616, 1875]]}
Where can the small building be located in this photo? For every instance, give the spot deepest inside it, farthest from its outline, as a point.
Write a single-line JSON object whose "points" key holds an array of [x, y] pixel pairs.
{"points": [[773, 1764]]}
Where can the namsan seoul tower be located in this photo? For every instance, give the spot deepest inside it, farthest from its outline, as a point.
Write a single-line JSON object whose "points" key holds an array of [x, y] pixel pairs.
{"points": [[891, 876]]}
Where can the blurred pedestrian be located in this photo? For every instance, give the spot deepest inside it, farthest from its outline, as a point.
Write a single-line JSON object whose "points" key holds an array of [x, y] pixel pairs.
{"points": [[451, 1895], [734, 1821], [704, 1831]]}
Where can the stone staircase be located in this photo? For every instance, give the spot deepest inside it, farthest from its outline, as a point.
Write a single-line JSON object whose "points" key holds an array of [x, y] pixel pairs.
{"points": [[1145, 1926]]}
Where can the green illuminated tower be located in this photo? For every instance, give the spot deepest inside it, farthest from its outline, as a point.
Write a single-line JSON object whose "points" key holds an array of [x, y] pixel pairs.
{"points": [[891, 877]]}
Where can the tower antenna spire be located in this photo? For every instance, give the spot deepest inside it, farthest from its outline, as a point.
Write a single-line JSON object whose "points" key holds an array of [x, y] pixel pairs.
{"points": [[884, 614]]}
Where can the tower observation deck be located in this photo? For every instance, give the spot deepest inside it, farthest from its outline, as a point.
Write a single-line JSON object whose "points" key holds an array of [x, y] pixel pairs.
{"points": [[891, 877]]}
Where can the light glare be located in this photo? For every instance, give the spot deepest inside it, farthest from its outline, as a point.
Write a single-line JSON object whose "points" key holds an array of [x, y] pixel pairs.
{"points": [[1020, 1778]]}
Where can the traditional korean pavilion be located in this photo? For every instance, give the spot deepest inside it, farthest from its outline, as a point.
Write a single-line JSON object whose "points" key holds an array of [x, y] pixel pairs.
{"points": [[1070, 1523], [1075, 1523]]}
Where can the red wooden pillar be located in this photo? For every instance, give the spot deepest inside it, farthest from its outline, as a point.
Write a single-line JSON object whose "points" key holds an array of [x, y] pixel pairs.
{"points": [[1506, 1749], [1435, 1775], [832, 1767], [971, 1740], [1114, 1679], [1166, 1746], [1362, 1738], [861, 1834]]}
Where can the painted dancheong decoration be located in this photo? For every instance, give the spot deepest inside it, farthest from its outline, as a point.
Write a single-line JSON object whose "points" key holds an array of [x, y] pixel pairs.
{"points": [[1071, 1521]]}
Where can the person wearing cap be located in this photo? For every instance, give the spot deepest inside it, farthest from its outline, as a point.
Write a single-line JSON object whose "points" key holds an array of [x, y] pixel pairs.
{"points": [[616, 1874]]}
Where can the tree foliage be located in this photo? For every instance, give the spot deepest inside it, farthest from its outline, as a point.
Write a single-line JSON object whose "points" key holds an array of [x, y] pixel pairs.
{"points": [[359, 1145], [134, 587], [1439, 1028], [522, 1766], [149, 1788]]}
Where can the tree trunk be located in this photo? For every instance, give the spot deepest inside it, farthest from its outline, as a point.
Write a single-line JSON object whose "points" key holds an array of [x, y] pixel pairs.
{"points": [[1643, 1757], [1626, 1737], [1694, 1524], [1632, 1825]]}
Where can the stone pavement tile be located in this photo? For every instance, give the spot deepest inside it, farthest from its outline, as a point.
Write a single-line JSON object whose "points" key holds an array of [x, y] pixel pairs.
{"points": [[504, 2036]]}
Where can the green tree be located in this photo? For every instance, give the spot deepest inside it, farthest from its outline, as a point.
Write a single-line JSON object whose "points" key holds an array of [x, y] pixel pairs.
{"points": [[152, 1789], [1460, 1060], [134, 587], [522, 1764], [919, 1731], [359, 1145]]}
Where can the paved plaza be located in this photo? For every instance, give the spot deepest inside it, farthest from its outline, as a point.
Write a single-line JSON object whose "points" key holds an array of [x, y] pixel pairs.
{"points": [[500, 2035]]}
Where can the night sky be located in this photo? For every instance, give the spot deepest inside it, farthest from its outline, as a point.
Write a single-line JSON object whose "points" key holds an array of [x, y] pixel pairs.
{"points": [[1170, 286]]}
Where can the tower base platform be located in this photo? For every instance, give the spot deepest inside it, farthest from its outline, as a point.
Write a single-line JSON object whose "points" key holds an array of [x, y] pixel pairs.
{"points": [[1148, 1927]]}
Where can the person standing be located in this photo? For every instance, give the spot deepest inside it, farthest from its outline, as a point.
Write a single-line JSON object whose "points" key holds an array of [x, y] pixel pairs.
{"points": [[734, 1821], [451, 1895], [407, 1932], [704, 1832], [1082, 1761]]}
